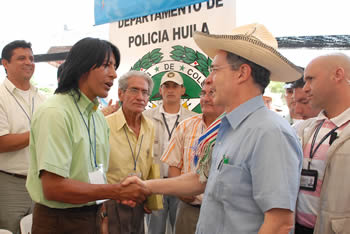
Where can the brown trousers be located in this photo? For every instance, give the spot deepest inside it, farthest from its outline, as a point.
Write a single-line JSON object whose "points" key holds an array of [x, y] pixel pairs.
{"points": [[82, 220], [123, 219]]}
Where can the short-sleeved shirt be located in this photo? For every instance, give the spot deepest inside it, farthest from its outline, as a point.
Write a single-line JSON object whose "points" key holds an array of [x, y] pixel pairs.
{"points": [[181, 148], [15, 117], [255, 167], [61, 144], [180, 151], [128, 150]]}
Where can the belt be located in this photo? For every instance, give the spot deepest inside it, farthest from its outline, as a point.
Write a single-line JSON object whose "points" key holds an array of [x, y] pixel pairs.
{"points": [[15, 175], [300, 229], [197, 205], [92, 208]]}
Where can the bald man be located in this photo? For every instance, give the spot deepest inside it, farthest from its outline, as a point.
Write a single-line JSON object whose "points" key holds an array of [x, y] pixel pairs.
{"points": [[324, 197]]}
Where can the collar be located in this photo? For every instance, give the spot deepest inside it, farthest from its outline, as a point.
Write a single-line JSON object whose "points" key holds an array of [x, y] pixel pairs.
{"points": [[238, 115], [85, 104], [11, 87], [119, 119], [161, 110], [338, 120], [342, 118]]}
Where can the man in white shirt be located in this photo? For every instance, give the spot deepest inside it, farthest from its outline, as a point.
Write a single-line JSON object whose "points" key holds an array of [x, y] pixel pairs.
{"points": [[18, 101], [166, 117]]}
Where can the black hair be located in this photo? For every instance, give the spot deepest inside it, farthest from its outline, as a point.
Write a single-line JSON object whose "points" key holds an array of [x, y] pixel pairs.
{"points": [[299, 83], [261, 75], [59, 71], [7, 50], [85, 54]]}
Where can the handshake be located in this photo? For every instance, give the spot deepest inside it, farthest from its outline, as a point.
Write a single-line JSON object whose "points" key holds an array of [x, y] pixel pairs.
{"points": [[132, 191]]}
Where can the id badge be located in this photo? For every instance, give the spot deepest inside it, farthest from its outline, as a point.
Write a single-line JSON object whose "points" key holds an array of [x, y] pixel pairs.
{"points": [[97, 177], [308, 180], [135, 173]]}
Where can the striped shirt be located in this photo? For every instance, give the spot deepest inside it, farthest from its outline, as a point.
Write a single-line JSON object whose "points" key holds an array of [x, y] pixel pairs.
{"points": [[180, 151], [308, 201]]}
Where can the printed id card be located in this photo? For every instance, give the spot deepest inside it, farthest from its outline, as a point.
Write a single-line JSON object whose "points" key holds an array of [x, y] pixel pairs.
{"points": [[308, 180]]}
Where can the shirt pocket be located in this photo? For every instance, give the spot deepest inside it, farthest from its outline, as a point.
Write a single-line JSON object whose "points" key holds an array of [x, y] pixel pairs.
{"points": [[231, 180], [340, 226]]}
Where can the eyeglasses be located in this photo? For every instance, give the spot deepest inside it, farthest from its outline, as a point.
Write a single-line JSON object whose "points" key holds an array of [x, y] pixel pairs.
{"points": [[136, 91], [213, 69], [211, 93]]}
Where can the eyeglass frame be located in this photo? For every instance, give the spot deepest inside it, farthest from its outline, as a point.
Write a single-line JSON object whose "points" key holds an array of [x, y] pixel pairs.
{"points": [[136, 91], [211, 93], [215, 68]]}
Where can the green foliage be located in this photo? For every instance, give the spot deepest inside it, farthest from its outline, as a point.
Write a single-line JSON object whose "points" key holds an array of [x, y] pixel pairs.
{"points": [[276, 87], [189, 56], [153, 57]]}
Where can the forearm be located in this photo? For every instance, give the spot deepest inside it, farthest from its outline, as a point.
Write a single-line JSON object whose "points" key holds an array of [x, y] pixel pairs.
{"points": [[60, 189], [277, 221], [185, 185], [14, 142]]}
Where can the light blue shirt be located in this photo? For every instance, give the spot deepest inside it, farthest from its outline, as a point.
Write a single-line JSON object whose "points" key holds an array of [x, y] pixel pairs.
{"points": [[261, 172]]}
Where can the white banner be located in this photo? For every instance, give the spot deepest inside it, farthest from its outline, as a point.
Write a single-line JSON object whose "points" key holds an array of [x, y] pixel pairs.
{"points": [[161, 42]]}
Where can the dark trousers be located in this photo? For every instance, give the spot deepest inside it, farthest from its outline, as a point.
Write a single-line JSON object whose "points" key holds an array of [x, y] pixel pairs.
{"points": [[299, 229], [65, 221], [123, 219]]}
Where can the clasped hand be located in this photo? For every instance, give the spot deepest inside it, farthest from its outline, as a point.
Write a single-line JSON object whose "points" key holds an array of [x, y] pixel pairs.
{"points": [[133, 191]]}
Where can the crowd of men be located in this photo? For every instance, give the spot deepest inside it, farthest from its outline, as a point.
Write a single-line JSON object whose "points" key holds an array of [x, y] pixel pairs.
{"points": [[236, 168]]}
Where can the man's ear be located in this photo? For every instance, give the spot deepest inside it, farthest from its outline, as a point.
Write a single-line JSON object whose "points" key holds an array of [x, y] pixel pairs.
{"points": [[160, 91], [5, 63], [183, 90], [339, 74], [121, 95], [244, 73]]}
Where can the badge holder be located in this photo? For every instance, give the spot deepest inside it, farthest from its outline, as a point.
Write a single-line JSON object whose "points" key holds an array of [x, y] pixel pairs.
{"points": [[98, 177], [308, 180]]}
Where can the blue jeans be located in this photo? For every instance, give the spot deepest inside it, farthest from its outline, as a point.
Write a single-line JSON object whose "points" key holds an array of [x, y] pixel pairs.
{"points": [[157, 221]]}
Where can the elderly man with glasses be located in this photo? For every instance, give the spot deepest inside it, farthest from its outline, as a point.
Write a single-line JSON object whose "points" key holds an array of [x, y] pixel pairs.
{"points": [[131, 141]]}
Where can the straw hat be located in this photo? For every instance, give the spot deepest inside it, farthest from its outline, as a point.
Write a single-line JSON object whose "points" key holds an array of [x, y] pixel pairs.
{"points": [[254, 43]]}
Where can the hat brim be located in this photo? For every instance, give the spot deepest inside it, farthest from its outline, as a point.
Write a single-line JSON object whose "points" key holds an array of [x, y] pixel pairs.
{"points": [[252, 49]]}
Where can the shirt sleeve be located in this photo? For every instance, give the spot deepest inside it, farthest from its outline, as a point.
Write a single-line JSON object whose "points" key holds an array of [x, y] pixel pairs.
{"points": [[51, 135], [4, 124], [275, 169]]}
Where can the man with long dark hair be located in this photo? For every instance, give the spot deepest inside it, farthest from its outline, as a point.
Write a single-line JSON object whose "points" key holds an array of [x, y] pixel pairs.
{"points": [[69, 145]]}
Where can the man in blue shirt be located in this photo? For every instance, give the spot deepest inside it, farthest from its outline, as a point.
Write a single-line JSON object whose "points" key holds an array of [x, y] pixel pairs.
{"points": [[256, 162]]}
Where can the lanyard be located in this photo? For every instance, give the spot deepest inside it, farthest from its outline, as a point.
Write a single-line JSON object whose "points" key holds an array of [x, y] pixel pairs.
{"points": [[88, 130], [132, 152], [167, 127], [19, 104], [312, 150]]}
